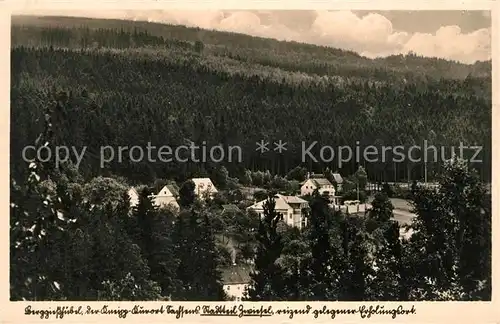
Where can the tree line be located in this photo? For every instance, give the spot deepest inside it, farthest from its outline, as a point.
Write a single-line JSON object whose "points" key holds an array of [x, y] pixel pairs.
{"points": [[286, 55], [132, 97], [73, 240]]}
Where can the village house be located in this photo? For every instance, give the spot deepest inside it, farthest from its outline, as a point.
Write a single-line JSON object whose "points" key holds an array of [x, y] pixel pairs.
{"points": [[323, 185], [319, 182], [166, 197], [134, 196], [291, 207], [235, 280], [204, 187]]}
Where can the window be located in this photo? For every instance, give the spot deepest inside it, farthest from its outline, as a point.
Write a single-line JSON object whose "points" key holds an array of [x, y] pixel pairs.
{"points": [[238, 299], [290, 216], [228, 287]]}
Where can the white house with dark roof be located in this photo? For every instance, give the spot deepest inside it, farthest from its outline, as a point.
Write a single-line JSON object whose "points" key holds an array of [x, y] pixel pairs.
{"points": [[204, 187], [166, 197], [291, 207], [165, 191], [235, 280], [322, 184]]}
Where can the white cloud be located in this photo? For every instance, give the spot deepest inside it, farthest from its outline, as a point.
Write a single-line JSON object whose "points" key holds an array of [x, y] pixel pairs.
{"points": [[449, 42], [202, 19], [241, 22], [371, 35], [344, 29]]}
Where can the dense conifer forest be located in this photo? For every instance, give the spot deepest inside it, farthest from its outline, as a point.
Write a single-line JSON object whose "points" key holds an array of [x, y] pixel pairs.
{"points": [[131, 86], [86, 82]]}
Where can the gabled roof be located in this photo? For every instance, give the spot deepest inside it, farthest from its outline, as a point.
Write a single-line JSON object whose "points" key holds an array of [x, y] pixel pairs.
{"points": [[337, 178], [293, 199], [230, 207], [165, 192], [173, 190], [280, 204], [204, 183], [318, 182], [133, 190], [236, 275], [321, 182], [201, 180]]}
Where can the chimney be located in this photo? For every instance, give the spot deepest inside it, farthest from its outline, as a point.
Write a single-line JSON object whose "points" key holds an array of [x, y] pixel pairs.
{"points": [[308, 175]]}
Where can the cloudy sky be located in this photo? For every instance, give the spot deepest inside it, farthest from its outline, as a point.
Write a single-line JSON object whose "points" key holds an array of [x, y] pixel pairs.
{"points": [[459, 35]]}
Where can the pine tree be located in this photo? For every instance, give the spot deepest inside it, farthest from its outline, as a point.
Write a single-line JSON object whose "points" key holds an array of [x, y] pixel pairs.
{"points": [[187, 195], [119, 270], [358, 269], [208, 275], [382, 209], [37, 218], [152, 235], [451, 244], [322, 267], [267, 278], [195, 250], [388, 280], [144, 216]]}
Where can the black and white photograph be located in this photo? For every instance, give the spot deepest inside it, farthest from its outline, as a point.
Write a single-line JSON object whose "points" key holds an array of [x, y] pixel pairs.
{"points": [[251, 155]]}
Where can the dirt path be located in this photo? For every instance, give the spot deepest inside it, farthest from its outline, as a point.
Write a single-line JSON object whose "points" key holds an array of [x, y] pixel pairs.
{"points": [[402, 211]]}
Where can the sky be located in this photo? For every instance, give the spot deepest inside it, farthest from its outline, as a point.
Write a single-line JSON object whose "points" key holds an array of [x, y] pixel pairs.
{"points": [[463, 36]]}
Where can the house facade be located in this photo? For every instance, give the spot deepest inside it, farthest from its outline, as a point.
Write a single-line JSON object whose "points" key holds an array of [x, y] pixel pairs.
{"points": [[204, 187], [297, 204], [291, 207], [235, 280], [320, 183], [166, 197]]}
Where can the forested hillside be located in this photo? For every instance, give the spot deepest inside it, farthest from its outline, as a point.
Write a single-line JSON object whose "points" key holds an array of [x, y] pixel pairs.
{"points": [[132, 82], [75, 234], [290, 56]]}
